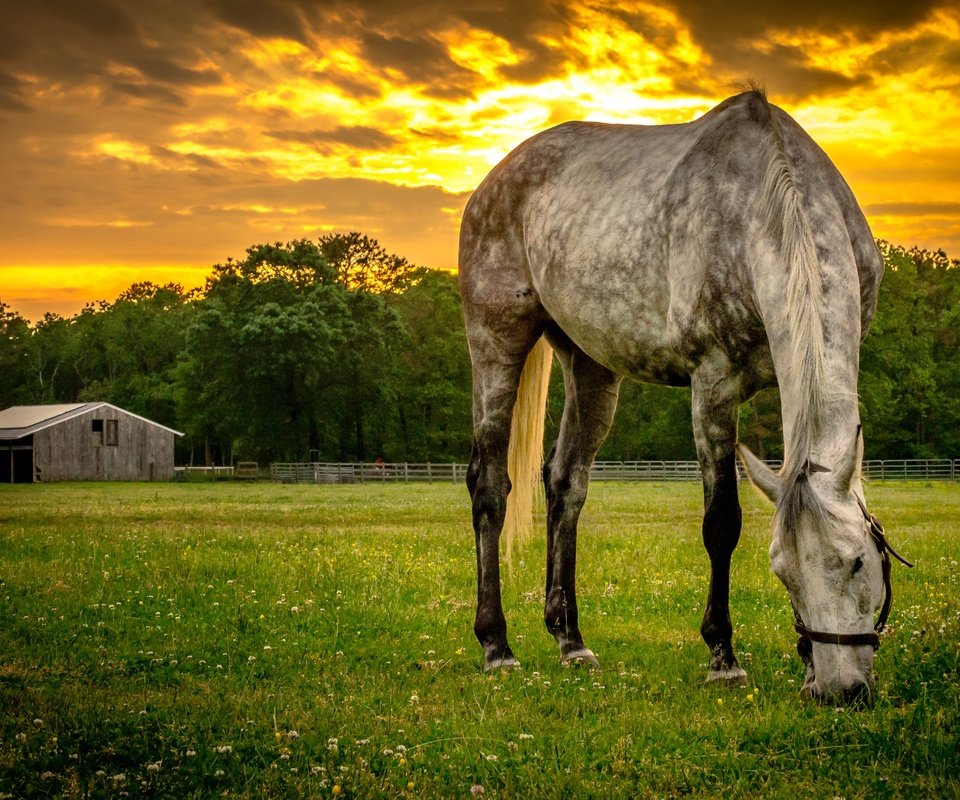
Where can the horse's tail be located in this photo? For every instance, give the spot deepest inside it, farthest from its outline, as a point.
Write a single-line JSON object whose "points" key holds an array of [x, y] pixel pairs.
{"points": [[525, 454]]}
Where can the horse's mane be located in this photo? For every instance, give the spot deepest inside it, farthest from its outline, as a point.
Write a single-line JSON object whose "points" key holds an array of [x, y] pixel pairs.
{"points": [[786, 220]]}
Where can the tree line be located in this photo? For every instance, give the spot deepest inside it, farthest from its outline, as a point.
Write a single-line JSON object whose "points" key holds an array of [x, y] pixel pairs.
{"points": [[337, 350]]}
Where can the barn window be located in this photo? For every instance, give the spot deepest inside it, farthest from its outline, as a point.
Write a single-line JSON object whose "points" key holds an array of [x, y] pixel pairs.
{"points": [[96, 428], [113, 433]]}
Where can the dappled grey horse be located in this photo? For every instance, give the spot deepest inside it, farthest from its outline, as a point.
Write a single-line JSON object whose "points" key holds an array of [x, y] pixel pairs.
{"points": [[727, 254]]}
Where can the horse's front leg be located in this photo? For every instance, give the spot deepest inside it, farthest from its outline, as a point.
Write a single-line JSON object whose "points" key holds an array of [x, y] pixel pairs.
{"points": [[716, 399], [589, 405]]}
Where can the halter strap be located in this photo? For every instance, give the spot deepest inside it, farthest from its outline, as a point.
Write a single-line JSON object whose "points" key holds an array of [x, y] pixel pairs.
{"points": [[804, 646]]}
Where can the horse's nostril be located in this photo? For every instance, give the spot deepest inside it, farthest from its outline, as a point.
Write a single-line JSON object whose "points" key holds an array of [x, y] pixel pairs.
{"points": [[858, 695]]}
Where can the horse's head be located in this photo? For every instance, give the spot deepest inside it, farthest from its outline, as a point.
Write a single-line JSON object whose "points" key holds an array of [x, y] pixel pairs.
{"points": [[831, 556]]}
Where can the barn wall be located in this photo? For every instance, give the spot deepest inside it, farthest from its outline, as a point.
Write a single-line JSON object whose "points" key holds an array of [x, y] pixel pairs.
{"points": [[72, 451]]}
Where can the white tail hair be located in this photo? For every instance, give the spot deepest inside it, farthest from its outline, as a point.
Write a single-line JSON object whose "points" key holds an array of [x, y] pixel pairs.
{"points": [[525, 454]]}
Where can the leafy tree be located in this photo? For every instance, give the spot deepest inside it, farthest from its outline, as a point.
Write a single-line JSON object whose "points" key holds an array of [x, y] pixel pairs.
{"points": [[362, 264], [14, 356], [433, 418]]}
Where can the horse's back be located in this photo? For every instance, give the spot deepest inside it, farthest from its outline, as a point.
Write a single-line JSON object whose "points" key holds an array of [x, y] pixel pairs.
{"points": [[636, 240]]}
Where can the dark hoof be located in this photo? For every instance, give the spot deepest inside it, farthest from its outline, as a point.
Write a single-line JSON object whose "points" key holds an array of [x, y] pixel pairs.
{"points": [[729, 678]]}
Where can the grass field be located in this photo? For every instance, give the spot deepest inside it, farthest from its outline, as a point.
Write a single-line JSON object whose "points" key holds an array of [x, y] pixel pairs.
{"points": [[314, 641]]}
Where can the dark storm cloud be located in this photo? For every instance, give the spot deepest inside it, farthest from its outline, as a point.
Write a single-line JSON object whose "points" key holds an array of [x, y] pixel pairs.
{"points": [[522, 24], [422, 60], [360, 137], [166, 70], [784, 71], [147, 91], [11, 95], [262, 18], [717, 25], [349, 84], [918, 52], [728, 33]]}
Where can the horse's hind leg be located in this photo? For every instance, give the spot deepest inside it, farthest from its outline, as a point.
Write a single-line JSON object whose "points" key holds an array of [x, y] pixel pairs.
{"points": [[716, 402], [498, 351], [591, 400]]}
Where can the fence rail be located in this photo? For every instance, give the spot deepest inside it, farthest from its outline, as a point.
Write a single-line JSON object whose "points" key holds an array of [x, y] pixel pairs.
{"points": [[330, 472], [208, 473]]}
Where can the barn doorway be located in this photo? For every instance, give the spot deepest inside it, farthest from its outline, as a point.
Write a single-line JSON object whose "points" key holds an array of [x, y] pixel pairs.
{"points": [[16, 463]]}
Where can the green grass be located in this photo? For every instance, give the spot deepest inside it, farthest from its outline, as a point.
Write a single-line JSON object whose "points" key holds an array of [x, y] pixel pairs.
{"points": [[305, 641]]}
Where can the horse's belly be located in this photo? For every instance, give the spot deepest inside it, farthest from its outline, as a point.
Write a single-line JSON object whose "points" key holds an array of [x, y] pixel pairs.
{"points": [[624, 328]]}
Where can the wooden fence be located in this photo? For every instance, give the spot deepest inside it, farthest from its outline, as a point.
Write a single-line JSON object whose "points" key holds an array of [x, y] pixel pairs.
{"points": [[329, 472]]}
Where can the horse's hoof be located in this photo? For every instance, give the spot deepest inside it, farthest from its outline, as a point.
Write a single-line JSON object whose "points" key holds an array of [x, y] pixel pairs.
{"points": [[582, 657], [501, 663], [733, 677]]}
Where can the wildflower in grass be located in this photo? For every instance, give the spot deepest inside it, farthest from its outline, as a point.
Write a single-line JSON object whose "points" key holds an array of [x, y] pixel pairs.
{"points": [[223, 749], [333, 744], [293, 735], [476, 790], [336, 789], [154, 767], [410, 785], [524, 737], [719, 701]]}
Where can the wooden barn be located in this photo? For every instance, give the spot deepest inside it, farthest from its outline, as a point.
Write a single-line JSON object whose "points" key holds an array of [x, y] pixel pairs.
{"points": [[82, 442]]}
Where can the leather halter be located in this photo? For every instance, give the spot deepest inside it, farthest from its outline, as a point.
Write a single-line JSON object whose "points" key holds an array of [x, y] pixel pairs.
{"points": [[808, 636]]}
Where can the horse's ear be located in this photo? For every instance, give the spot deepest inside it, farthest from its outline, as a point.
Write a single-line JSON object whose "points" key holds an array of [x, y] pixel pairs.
{"points": [[760, 475], [850, 463]]}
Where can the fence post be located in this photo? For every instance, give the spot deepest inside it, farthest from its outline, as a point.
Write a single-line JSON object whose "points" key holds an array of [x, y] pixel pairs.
{"points": [[429, 473]]}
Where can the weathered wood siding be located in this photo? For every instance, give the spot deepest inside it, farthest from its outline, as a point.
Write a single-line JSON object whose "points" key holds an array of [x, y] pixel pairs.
{"points": [[71, 450]]}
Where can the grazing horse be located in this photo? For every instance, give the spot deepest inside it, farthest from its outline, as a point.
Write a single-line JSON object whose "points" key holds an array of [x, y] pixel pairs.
{"points": [[725, 254]]}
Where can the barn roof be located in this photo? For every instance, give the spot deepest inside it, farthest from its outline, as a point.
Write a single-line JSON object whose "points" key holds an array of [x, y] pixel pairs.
{"points": [[19, 421]]}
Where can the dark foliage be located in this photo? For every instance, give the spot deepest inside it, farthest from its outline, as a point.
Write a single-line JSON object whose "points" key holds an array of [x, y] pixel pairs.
{"points": [[338, 350]]}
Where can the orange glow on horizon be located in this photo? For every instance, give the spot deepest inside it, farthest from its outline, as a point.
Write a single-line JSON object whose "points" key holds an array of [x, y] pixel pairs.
{"points": [[377, 127]]}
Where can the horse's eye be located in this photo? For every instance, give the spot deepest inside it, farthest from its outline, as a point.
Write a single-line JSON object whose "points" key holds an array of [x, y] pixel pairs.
{"points": [[857, 564]]}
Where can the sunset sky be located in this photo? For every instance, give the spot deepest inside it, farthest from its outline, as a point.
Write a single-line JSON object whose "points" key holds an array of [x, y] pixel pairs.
{"points": [[150, 139]]}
